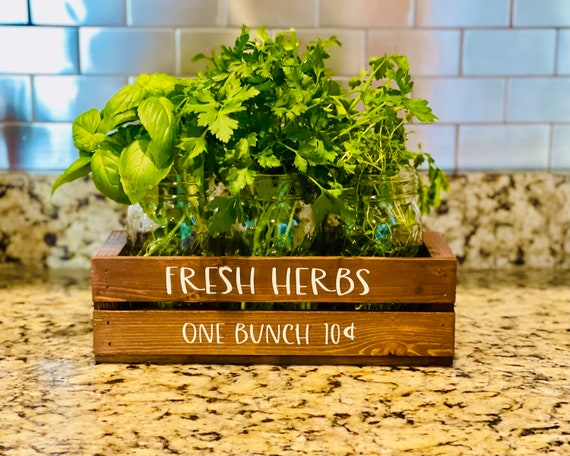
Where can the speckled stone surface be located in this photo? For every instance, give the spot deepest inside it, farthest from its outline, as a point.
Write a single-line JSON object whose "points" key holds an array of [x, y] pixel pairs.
{"points": [[490, 221], [507, 393]]}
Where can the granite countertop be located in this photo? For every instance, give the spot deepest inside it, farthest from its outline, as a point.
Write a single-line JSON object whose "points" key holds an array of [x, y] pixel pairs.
{"points": [[508, 391]]}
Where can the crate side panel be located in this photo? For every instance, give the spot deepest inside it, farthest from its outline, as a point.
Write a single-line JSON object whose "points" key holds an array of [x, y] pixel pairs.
{"points": [[283, 279], [150, 333]]}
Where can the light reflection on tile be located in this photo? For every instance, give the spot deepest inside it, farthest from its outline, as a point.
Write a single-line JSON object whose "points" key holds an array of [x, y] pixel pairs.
{"points": [[38, 147], [62, 98], [126, 50], [15, 98], [366, 13], [430, 52], [463, 100], [13, 12], [509, 52], [464, 13], [192, 42], [77, 12], [271, 13], [4, 164], [174, 13], [46, 50], [503, 147]]}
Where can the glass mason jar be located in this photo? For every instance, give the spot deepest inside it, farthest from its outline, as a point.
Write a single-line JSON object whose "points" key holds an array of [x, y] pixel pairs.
{"points": [[166, 220], [278, 216], [383, 218]]}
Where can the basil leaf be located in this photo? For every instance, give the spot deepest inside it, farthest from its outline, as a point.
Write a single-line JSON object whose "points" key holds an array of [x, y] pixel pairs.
{"points": [[79, 168], [124, 101], [106, 177], [84, 131], [139, 172], [157, 84], [156, 116]]}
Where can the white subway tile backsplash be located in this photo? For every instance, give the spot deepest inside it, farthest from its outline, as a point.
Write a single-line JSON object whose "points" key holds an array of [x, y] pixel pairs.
{"points": [[464, 100], [122, 51], [503, 147], [44, 50], [509, 52], [4, 162], [175, 13], [77, 12], [437, 140], [62, 98], [539, 99], [272, 13], [463, 13], [541, 13], [366, 13], [38, 147], [14, 12], [15, 98], [192, 42], [430, 52], [561, 147], [563, 63], [496, 72], [345, 60]]}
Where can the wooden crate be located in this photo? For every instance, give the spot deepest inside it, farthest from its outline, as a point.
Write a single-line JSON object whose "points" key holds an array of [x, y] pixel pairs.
{"points": [[182, 309]]}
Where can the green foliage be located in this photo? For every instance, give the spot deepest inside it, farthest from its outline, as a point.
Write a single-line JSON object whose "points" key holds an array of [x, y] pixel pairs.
{"points": [[262, 106]]}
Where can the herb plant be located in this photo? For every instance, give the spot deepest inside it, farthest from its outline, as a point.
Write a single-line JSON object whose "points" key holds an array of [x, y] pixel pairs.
{"points": [[262, 110]]}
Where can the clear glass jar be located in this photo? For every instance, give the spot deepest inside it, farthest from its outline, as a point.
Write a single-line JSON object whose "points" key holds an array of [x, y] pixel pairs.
{"points": [[278, 217], [166, 221], [383, 218]]}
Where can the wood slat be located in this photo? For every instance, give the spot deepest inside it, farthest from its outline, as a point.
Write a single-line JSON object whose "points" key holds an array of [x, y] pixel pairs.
{"points": [[147, 334], [428, 279]]}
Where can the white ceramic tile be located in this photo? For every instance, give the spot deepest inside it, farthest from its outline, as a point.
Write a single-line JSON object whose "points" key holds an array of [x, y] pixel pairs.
{"points": [[175, 13], [15, 98], [47, 50], [560, 147], [38, 147], [539, 99], [192, 42], [62, 98], [563, 63], [77, 12], [503, 147], [436, 140], [430, 52], [126, 50], [4, 163], [459, 100], [509, 52], [366, 13], [541, 13], [345, 60], [463, 13], [272, 13], [13, 11]]}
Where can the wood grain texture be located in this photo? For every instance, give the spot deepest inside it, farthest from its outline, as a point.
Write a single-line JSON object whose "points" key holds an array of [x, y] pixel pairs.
{"points": [[127, 327], [150, 333], [429, 279]]}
